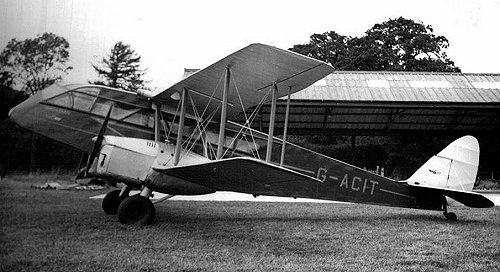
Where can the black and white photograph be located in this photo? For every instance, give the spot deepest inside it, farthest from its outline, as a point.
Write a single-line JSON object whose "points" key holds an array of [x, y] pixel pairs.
{"points": [[249, 135]]}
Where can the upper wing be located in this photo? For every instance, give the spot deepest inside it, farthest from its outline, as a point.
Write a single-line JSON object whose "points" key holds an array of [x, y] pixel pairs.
{"points": [[254, 69], [470, 199], [247, 175]]}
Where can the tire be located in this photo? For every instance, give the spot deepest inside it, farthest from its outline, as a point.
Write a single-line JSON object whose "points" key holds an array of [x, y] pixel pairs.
{"points": [[111, 202], [451, 216], [136, 210]]}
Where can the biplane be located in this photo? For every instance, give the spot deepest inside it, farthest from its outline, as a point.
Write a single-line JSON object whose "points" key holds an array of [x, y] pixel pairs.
{"points": [[196, 138]]}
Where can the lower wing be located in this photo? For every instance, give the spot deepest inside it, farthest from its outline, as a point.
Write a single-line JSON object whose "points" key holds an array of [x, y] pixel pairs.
{"points": [[247, 175]]}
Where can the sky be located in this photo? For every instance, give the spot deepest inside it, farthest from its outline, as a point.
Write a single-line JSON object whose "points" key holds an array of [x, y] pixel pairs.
{"points": [[173, 35]]}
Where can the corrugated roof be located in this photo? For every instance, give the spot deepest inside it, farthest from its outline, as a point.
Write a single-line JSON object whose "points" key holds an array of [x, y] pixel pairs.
{"points": [[394, 102], [404, 87], [359, 103]]}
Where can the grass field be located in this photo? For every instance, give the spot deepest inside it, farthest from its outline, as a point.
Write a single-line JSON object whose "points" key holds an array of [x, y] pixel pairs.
{"points": [[49, 230]]}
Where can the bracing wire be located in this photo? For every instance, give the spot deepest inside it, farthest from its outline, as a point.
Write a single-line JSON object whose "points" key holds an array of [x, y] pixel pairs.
{"points": [[201, 126], [458, 177], [164, 125], [248, 121], [202, 123], [212, 96], [246, 126], [173, 119]]}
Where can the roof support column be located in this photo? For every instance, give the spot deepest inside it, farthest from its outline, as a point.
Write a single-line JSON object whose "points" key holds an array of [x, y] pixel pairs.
{"points": [[285, 128], [180, 130], [222, 127], [272, 119], [325, 119], [353, 148]]}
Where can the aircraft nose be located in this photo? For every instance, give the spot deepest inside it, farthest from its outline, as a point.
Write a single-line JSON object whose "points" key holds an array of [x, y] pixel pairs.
{"points": [[19, 113]]}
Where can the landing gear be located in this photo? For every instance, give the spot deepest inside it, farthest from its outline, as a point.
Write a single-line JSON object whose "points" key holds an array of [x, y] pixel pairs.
{"points": [[113, 199], [131, 210], [136, 210], [450, 216]]}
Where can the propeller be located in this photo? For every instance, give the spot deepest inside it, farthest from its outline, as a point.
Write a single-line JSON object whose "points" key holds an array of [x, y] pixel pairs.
{"points": [[95, 150]]}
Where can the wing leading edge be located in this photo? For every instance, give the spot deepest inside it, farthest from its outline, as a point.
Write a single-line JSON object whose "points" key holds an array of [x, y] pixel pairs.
{"points": [[254, 70], [247, 175]]}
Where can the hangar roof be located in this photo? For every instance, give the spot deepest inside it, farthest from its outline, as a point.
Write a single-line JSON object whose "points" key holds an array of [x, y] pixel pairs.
{"points": [[393, 102], [404, 87]]}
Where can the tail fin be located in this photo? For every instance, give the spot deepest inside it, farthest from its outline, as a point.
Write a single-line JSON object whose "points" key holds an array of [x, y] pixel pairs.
{"points": [[455, 167]]}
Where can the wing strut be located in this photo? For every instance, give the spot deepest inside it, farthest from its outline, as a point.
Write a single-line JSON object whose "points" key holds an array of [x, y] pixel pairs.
{"points": [[146, 191], [285, 128], [180, 131], [223, 115], [157, 109], [271, 123]]}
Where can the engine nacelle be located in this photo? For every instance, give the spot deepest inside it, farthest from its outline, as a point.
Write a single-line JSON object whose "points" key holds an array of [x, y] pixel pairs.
{"points": [[131, 161]]}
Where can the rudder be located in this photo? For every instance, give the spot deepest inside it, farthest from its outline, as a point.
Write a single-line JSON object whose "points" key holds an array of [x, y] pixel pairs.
{"points": [[455, 167]]}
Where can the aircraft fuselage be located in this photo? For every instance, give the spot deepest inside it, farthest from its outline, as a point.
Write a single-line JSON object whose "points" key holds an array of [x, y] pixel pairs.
{"points": [[341, 181]]}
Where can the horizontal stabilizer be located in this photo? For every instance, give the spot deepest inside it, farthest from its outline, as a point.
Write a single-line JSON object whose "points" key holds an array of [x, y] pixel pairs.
{"points": [[246, 175], [469, 199]]}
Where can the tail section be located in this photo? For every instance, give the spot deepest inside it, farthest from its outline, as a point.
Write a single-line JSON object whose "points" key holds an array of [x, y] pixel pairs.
{"points": [[455, 167], [452, 172]]}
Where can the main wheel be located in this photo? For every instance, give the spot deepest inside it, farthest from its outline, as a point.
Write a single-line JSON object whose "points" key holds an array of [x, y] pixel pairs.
{"points": [[136, 210], [450, 216], [111, 202]]}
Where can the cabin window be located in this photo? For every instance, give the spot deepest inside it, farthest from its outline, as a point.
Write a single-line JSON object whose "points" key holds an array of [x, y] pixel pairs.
{"points": [[90, 91], [83, 101], [64, 100], [141, 118], [101, 107], [121, 111], [124, 112]]}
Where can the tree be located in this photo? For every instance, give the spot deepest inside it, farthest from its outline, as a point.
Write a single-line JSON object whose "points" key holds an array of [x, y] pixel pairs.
{"points": [[121, 69], [6, 77], [329, 47], [395, 45], [34, 64]]}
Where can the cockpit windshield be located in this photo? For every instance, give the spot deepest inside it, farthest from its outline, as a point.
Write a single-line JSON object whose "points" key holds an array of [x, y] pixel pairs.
{"points": [[97, 100]]}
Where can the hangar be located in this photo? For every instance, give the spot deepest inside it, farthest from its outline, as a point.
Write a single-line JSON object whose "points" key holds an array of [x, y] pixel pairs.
{"points": [[388, 103], [342, 103]]}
